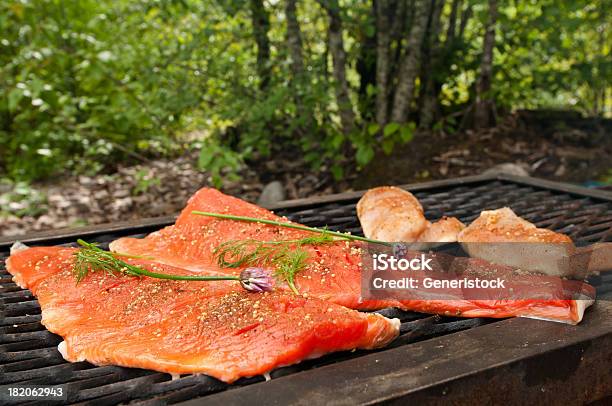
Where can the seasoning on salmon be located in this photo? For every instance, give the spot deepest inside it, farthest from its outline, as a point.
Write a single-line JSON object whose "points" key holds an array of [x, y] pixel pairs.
{"points": [[179, 327], [333, 271]]}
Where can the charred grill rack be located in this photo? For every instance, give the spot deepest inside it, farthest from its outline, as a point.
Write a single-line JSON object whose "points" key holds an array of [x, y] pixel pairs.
{"points": [[435, 359]]}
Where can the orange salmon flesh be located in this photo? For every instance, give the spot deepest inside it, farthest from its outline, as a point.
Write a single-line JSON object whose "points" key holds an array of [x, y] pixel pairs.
{"points": [[179, 327]]}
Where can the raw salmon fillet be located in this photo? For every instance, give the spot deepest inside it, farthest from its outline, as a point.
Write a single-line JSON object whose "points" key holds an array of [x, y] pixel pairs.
{"points": [[334, 270], [216, 328]]}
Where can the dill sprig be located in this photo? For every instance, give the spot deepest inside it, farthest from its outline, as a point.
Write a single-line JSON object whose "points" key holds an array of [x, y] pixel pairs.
{"points": [[285, 256], [91, 258], [237, 253], [292, 263]]}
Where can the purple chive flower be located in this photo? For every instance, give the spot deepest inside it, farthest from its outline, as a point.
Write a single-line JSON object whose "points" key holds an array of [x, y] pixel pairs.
{"points": [[257, 280], [399, 250]]}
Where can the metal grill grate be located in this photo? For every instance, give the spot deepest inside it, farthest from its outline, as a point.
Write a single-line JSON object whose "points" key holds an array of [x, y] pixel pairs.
{"points": [[28, 352]]}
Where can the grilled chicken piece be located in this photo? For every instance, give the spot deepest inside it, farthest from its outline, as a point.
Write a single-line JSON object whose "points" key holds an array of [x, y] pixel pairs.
{"points": [[444, 230], [502, 237], [499, 236], [503, 225], [389, 213]]}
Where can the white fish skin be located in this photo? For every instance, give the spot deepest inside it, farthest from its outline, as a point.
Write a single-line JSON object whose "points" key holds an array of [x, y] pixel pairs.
{"points": [[18, 246]]}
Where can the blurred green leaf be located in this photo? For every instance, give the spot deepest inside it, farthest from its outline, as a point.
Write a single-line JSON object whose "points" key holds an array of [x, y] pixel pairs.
{"points": [[14, 97], [391, 129], [373, 128], [364, 155], [387, 146], [337, 171], [406, 133]]}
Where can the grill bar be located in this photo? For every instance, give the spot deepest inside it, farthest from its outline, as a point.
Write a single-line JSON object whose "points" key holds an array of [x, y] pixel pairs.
{"points": [[432, 354]]}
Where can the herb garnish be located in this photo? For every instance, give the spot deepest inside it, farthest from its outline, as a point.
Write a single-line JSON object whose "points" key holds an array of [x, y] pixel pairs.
{"points": [[286, 256], [92, 258]]}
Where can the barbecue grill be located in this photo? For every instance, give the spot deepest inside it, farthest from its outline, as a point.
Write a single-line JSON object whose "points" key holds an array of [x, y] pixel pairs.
{"points": [[436, 359]]}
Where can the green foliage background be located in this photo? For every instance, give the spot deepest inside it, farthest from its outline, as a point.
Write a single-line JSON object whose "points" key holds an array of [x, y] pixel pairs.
{"points": [[87, 84]]}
